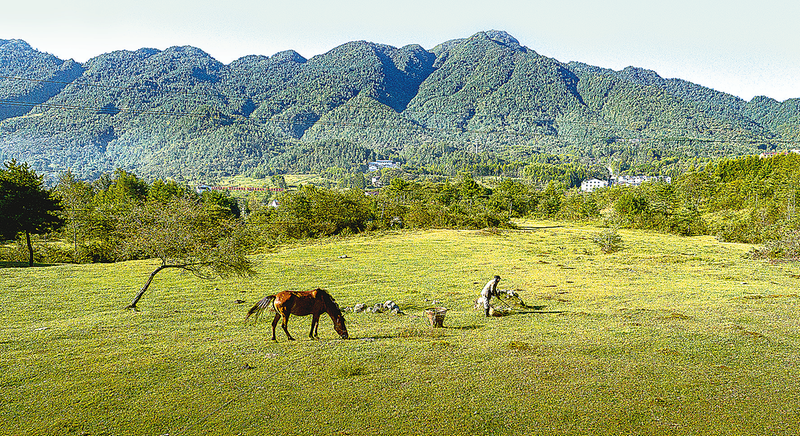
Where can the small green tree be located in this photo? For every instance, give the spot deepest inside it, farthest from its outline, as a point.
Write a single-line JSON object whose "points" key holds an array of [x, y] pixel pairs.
{"points": [[551, 198], [470, 189], [632, 207], [26, 207], [166, 190], [221, 204], [279, 181], [116, 195], [76, 198], [182, 234]]}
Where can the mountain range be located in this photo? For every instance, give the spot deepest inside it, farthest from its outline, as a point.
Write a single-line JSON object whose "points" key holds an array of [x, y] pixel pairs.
{"points": [[487, 98]]}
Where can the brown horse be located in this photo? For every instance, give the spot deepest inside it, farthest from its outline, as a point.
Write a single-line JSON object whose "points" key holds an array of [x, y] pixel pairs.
{"points": [[301, 303]]}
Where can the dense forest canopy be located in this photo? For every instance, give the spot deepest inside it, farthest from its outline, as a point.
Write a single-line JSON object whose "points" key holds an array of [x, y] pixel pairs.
{"points": [[485, 103]]}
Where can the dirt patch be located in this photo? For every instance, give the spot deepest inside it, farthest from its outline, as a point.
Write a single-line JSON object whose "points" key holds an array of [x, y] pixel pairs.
{"points": [[749, 333], [759, 297], [675, 316]]}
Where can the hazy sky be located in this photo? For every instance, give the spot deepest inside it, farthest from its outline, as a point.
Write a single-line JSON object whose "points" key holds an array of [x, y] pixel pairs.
{"points": [[745, 48]]}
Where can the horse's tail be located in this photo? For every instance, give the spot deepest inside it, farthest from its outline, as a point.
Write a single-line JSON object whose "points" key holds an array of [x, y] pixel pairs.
{"points": [[256, 310]]}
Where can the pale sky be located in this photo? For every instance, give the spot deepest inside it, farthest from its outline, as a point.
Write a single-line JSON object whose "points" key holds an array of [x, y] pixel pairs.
{"points": [[745, 48]]}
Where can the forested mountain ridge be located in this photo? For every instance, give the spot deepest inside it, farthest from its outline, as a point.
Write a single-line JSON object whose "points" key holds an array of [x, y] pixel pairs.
{"points": [[48, 76], [484, 99]]}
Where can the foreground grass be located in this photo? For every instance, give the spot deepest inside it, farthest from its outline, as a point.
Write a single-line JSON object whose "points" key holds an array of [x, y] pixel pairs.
{"points": [[670, 336]]}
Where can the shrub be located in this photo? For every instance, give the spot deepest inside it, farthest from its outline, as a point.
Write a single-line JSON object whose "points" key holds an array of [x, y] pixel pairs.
{"points": [[787, 247], [686, 222], [608, 240]]}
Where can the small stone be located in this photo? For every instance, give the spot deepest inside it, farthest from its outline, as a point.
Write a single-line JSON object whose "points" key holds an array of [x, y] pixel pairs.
{"points": [[390, 305]]}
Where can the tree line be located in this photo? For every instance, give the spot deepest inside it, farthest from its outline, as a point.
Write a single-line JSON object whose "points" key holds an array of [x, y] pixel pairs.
{"points": [[747, 199]]}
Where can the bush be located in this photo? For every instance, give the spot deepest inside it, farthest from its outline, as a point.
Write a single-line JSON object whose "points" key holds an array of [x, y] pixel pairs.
{"points": [[686, 222], [787, 247], [609, 240], [730, 226]]}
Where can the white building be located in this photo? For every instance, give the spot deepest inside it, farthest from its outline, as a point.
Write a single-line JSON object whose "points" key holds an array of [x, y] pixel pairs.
{"points": [[592, 184], [380, 164], [637, 180]]}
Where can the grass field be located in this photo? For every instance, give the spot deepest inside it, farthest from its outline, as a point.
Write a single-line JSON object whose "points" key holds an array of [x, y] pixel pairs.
{"points": [[672, 335], [292, 180]]}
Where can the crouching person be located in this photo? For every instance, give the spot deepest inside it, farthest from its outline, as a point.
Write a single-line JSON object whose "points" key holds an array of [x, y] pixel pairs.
{"points": [[486, 294]]}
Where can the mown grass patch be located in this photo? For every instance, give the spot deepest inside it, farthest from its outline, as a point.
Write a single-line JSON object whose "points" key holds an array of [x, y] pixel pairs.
{"points": [[669, 336]]}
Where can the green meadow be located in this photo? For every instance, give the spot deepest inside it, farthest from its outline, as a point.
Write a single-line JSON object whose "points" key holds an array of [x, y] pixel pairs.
{"points": [[670, 336]]}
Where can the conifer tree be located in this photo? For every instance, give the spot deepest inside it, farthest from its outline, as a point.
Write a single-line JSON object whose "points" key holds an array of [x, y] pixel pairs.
{"points": [[26, 206]]}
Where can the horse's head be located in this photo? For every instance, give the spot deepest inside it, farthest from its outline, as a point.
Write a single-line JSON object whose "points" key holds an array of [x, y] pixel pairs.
{"points": [[335, 313], [338, 325]]}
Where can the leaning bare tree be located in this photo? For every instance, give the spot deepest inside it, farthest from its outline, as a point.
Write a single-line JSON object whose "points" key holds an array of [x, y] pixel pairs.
{"points": [[185, 235]]}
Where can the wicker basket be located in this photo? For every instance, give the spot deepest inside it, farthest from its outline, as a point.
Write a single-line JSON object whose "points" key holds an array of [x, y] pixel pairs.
{"points": [[436, 316]]}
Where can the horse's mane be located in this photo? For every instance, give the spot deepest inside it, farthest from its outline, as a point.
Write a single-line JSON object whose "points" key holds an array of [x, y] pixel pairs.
{"points": [[330, 303]]}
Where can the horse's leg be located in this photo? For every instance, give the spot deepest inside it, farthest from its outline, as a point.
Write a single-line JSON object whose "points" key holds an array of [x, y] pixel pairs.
{"points": [[285, 325], [314, 326], [275, 324]]}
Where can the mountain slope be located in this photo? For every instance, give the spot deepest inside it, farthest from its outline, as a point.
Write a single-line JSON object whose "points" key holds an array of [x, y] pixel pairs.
{"points": [[47, 76], [490, 81], [180, 113]]}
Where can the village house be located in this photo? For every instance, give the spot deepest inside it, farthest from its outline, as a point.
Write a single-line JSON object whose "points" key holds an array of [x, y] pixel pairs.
{"points": [[380, 164], [776, 153], [637, 180], [592, 184]]}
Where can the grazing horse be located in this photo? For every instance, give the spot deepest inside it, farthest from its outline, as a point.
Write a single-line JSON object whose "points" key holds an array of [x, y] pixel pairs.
{"points": [[301, 303]]}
